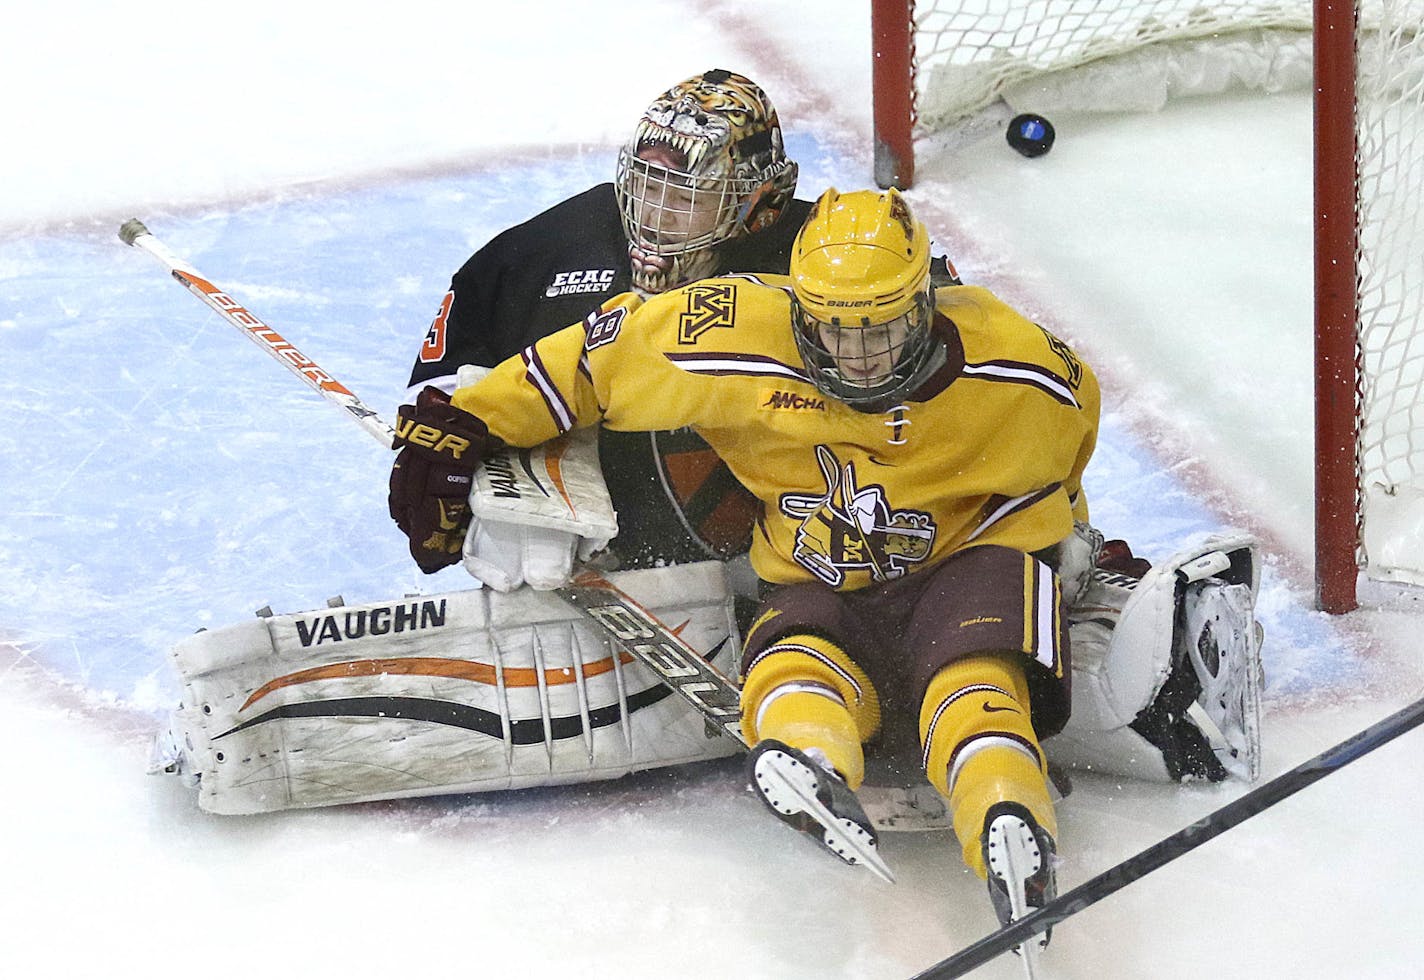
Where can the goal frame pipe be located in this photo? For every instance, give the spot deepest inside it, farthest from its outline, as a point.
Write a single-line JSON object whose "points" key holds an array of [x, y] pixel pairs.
{"points": [[892, 31], [1336, 188]]}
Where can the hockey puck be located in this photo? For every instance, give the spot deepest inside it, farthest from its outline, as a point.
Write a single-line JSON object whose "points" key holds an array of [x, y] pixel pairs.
{"points": [[1030, 134]]}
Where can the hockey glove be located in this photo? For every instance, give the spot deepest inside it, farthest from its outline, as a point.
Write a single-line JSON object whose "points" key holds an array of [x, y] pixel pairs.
{"points": [[440, 447]]}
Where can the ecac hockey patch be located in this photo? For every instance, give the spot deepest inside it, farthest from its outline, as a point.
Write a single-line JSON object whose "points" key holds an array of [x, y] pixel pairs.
{"points": [[579, 281]]}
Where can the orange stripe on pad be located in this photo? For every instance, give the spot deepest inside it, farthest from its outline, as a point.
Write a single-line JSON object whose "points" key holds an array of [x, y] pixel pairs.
{"points": [[467, 670], [553, 465]]}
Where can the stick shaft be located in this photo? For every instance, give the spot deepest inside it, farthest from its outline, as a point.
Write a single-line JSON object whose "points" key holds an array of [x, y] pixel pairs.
{"points": [[688, 673], [250, 325]]}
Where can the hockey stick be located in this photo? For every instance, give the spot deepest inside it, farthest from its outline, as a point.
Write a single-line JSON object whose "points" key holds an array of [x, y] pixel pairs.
{"points": [[714, 695], [1169, 849], [627, 623]]}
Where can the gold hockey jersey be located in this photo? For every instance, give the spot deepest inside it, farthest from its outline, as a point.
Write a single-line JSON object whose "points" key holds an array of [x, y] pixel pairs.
{"points": [[990, 450]]}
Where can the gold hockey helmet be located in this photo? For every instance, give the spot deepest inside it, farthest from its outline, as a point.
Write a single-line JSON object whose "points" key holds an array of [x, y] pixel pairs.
{"points": [[705, 164], [862, 299]]}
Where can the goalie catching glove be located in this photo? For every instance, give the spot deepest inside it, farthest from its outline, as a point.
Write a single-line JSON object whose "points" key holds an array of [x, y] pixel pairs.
{"points": [[440, 447]]}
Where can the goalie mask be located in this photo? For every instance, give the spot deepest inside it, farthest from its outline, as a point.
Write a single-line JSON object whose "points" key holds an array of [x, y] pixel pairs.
{"points": [[706, 164], [862, 301]]}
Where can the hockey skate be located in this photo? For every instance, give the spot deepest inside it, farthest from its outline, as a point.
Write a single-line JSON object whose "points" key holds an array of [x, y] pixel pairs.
{"points": [[810, 796], [1020, 857]]}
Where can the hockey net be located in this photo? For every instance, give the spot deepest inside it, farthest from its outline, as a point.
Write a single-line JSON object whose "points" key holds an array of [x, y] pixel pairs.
{"points": [[1389, 274], [949, 72]]}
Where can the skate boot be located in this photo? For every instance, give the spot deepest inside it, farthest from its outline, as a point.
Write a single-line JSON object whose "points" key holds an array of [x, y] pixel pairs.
{"points": [[808, 794], [1020, 856]]}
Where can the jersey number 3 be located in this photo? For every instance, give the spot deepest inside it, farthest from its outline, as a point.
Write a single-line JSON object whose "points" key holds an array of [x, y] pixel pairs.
{"points": [[434, 347]]}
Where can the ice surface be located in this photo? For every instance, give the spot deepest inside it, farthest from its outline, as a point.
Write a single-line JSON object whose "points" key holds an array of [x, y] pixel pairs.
{"points": [[162, 475]]}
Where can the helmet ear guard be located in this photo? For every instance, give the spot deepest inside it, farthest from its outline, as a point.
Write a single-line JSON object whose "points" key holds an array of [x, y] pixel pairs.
{"points": [[861, 262], [761, 208]]}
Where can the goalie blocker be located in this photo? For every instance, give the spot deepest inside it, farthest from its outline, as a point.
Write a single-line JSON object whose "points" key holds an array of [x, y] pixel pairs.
{"points": [[535, 512]]}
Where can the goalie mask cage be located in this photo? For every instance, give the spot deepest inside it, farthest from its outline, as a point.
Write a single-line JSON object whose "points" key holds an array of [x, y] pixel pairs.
{"points": [[948, 66]]}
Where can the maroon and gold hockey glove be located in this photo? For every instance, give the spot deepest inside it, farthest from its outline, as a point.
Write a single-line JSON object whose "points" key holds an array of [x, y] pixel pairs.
{"points": [[440, 448], [1117, 557]]}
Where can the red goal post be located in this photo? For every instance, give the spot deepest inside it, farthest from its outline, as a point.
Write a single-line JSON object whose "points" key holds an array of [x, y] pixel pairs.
{"points": [[952, 70], [1337, 310]]}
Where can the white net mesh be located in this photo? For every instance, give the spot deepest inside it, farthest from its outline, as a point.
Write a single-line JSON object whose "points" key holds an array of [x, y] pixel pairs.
{"points": [[970, 53], [1390, 138]]}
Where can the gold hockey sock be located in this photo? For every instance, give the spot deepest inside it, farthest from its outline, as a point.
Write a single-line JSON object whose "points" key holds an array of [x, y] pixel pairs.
{"points": [[804, 691], [979, 746]]}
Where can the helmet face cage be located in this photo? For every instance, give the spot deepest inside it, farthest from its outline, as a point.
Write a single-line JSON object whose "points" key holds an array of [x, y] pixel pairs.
{"points": [[870, 367], [669, 212], [705, 164]]}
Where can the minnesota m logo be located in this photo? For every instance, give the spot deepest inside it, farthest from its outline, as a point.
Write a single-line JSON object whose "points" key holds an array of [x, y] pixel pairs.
{"points": [[708, 305], [1066, 355]]}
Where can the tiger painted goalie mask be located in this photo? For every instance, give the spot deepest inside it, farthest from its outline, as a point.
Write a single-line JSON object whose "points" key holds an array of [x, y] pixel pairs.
{"points": [[705, 164]]}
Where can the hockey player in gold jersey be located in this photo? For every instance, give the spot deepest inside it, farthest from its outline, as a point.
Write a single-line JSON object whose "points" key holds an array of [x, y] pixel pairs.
{"points": [[917, 455]]}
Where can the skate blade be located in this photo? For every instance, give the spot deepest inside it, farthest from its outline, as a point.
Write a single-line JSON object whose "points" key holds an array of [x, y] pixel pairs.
{"points": [[1014, 858], [789, 788]]}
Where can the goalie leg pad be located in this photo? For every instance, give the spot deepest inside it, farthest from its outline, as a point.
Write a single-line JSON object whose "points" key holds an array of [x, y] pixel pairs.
{"points": [[1222, 643], [1166, 670], [453, 693]]}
